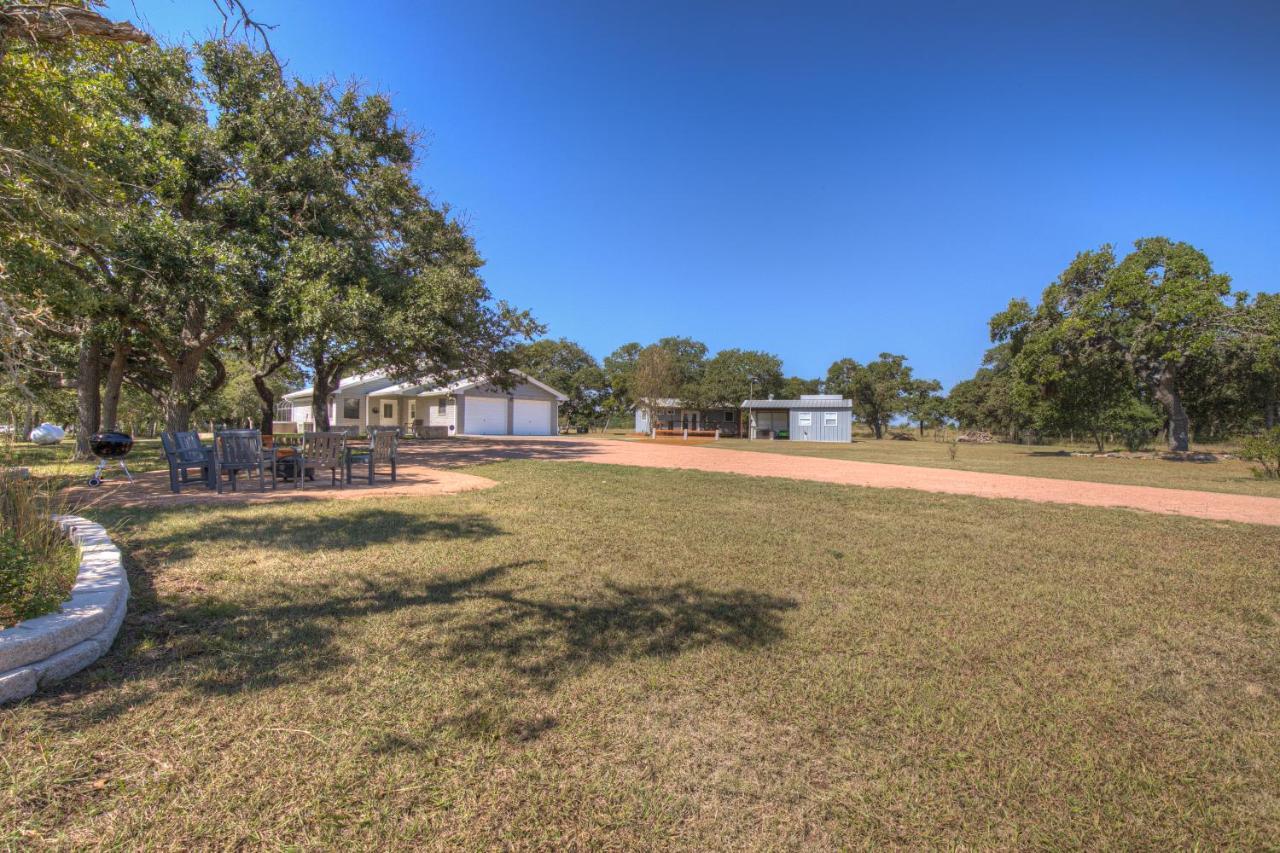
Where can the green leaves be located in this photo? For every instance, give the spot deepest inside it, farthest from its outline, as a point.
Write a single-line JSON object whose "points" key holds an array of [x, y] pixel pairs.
{"points": [[734, 375], [1106, 335], [881, 389]]}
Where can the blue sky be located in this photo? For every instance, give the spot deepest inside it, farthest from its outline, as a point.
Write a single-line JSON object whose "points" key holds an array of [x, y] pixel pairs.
{"points": [[818, 181]]}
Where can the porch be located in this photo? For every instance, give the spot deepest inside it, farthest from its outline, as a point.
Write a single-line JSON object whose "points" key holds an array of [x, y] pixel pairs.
{"points": [[674, 418]]}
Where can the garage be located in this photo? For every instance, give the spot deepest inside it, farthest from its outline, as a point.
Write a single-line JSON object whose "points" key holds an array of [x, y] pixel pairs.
{"points": [[532, 417], [485, 415]]}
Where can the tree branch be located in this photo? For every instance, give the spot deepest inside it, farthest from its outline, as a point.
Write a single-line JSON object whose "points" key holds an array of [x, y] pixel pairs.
{"points": [[48, 23]]}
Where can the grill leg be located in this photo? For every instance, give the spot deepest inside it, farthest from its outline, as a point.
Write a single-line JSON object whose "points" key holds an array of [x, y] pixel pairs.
{"points": [[125, 468]]}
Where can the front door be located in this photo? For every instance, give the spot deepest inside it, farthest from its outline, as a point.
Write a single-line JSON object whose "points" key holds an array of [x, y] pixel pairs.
{"points": [[387, 409]]}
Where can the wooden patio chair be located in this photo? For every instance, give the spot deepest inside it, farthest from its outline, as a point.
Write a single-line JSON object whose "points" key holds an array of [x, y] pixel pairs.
{"points": [[236, 450], [321, 451], [383, 444], [184, 452]]}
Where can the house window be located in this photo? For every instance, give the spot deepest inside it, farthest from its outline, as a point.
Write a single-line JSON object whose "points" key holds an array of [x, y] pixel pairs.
{"points": [[806, 419], [351, 408], [830, 419], [388, 411], [728, 417], [413, 410], [441, 407]]}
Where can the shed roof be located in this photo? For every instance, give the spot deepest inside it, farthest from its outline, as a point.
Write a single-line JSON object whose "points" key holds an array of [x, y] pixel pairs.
{"points": [[813, 403]]}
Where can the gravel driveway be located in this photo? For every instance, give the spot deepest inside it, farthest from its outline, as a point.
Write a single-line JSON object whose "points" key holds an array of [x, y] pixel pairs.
{"points": [[1212, 505]]}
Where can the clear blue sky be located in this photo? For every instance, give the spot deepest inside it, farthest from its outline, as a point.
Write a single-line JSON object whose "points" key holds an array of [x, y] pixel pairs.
{"points": [[814, 180]]}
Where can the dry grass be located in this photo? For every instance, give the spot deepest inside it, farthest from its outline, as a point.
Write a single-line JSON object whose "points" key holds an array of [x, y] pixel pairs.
{"points": [[56, 462], [576, 659], [1053, 461], [38, 564]]}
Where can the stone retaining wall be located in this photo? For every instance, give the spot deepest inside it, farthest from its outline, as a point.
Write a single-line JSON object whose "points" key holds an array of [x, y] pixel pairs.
{"points": [[49, 648]]}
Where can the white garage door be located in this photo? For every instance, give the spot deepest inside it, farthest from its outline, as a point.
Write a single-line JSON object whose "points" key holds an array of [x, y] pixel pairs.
{"points": [[485, 415], [531, 417]]}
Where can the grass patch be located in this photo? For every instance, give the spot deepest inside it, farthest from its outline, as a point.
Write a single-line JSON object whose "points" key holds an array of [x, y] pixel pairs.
{"points": [[56, 462], [613, 657], [1053, 461]]}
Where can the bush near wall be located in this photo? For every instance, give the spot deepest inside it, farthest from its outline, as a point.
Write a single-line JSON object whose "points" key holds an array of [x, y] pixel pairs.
{"points": [[37, 563]]}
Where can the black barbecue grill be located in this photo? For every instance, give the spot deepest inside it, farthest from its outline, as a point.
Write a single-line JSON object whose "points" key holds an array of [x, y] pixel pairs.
{"points": [[109, 446]]}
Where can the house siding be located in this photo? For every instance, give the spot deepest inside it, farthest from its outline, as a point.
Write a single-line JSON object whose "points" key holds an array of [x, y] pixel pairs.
{"points": [[430, 413], [522, 391], [426, 408], [818, 430], [707, 419]]}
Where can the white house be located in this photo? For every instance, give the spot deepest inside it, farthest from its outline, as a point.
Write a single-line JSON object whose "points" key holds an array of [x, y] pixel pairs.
{"points": [[469, 407]]}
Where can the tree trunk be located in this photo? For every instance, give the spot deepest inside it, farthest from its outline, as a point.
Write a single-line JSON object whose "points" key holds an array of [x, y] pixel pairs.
{"points": [[115, 381], [320, 411], [177, 405], [326, 382], [268, 398], [1166, 392], [88, 393]]}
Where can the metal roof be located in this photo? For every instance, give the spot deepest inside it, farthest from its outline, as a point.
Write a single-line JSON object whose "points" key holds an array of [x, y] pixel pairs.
{"points": [[383, 387], [351, 383], [827, 403]]}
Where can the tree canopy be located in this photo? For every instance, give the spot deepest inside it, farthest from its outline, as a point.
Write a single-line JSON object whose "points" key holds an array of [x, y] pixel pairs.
{"points": [[567, 367], [1110, 337], [881, 389], [197, 207]]}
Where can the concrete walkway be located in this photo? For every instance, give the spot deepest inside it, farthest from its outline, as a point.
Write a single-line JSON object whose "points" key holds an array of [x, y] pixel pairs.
{"points": [[1212, 505]]}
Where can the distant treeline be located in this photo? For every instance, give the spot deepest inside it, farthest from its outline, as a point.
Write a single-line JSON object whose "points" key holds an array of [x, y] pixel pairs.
{"points": [[1121, 349]]}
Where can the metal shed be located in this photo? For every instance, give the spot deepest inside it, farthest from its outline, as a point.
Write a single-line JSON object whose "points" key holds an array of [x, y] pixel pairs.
{"points": [[814, 417]]}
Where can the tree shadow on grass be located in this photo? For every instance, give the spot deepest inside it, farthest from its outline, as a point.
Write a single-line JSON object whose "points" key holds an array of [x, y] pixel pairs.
{"points": [[308, 532], [513, 642], [541, 641]]}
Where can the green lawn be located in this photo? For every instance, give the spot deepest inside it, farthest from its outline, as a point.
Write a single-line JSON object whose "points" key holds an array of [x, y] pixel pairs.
{"points": [[564, 661], [1054, 461]]}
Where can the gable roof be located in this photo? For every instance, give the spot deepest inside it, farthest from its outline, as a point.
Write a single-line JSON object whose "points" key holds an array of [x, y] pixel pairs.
{"points": [[472, 383], [376, 384]]}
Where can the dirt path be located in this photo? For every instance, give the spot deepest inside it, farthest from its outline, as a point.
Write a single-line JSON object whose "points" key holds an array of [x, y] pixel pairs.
{"points": [[1212, 505], [413, 479], [429, 468]]}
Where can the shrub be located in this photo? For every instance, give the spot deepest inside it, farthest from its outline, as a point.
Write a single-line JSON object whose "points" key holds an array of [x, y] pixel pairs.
{"points": [[37, 562], [1135, 422], [1265, 450]]}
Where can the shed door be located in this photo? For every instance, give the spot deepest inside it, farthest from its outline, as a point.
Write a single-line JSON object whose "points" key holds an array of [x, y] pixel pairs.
{"points": [[531, 417], [804, 426], [485, 415]]}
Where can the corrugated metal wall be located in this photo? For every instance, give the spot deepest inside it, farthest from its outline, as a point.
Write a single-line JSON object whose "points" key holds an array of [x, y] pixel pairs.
{"points": [[821, 425]]}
